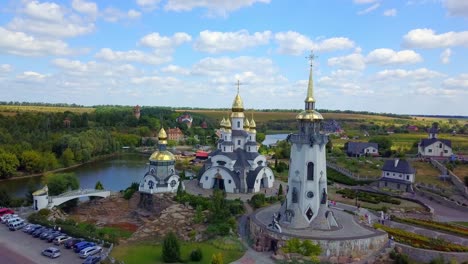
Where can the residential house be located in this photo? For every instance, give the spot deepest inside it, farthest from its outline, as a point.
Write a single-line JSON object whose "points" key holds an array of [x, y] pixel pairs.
{"points": [[175, 134], [434, 146], [358, 149], [397, 174]]}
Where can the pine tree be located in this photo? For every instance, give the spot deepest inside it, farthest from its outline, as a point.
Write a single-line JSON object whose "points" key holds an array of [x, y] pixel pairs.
{"points": [[171, 248], [280, 190]]}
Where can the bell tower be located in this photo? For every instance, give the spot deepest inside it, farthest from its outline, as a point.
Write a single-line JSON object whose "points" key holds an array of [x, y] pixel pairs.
{"points": [[306, 199]]}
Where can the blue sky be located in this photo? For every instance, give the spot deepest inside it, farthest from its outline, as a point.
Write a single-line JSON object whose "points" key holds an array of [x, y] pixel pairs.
{"points": [[373, 55]]}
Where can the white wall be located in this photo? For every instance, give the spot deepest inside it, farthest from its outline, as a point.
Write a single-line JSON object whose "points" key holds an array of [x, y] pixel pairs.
{"points": [[435, 150], [207, 179], [268, 176], [371, 151], [40, 201], [398, 176]]}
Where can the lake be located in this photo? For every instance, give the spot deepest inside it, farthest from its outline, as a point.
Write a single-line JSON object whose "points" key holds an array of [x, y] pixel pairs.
{"points": [[273, 138], [116, 173]]}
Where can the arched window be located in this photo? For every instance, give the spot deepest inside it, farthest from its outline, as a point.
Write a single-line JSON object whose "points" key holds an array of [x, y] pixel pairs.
{"points": [[238, 124], [294, 195], [310, 171]]}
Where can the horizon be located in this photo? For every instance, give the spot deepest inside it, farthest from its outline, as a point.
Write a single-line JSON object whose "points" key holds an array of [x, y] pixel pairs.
{"points": [[378, 57]]}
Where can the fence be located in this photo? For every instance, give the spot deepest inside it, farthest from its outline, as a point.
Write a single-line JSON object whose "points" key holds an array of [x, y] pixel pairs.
{"points": [[455, 180]]}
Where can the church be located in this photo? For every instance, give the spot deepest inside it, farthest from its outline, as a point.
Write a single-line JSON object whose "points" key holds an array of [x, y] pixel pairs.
{"points": [[236, 166], [161, 176]]}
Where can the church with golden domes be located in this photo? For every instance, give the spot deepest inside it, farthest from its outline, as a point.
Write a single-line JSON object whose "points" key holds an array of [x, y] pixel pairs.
{"points": [[236, 166], [161, 176]]}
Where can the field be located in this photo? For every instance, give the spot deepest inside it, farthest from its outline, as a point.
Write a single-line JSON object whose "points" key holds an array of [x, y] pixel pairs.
{"points": [[461, 170], [43, 109], [427, 174], [151, 253]]}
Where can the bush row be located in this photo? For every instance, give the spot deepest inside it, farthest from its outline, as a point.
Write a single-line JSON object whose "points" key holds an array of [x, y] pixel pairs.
{"points": [[368, 197], [454, 229]]}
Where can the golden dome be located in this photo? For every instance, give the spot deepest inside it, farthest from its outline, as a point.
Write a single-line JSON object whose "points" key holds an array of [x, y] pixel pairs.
{"points": [[246, 123], [309, 115], [237, 105], [252, 123], [223, 123], [162, 136], [228, 123], [163, 155]]}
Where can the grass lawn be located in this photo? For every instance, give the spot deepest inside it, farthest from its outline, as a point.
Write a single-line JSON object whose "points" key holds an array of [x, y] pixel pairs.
{"points": [[364, 167], [461, 170], [152, 253], [461, 223], [407, 205], [427, 174]]}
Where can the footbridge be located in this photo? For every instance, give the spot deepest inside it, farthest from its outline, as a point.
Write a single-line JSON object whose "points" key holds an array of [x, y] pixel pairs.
{"points": [[43, 200]]}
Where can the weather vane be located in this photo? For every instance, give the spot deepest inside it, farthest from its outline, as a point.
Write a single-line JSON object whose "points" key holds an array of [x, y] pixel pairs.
{"points": [[311, 58]]}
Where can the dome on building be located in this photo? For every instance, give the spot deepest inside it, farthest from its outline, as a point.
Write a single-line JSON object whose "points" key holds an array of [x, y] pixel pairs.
{"points": [[309, 115], [162, 154]]}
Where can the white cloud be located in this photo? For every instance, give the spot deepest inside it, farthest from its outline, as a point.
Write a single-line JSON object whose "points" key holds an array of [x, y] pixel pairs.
{"points": [[460, 82], [428, 39], [132, 56], [215, 7], [4, 68], [175, 69], [19, 43], [445, 56], [89, 8], [113, 15], [388, 56], [418, 74], [148, 4], [61, 30], [457, 7], [156, 81], [294, 43], [369, 9], [44, 11], [31, 76], [216, 42], [353, 61], [390, 12], [154, 40], [224, 65]]}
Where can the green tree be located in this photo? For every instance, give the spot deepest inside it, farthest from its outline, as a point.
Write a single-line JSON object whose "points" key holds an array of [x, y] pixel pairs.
{"points": [[61, 182], [180, 190], [198, 218], [31, 161], [219, 211], [8, 164], [385, 145], [68, 157], [280, 190], [99, 186], [49, 161], [260, 137], [5, 198], [171, 248]]}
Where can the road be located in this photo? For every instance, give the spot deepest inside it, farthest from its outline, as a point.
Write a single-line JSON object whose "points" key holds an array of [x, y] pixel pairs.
{"points": [[20, 248]]}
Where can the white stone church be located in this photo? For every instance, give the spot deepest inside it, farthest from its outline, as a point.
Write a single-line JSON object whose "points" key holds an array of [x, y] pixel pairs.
{"points": [[236, 166]]}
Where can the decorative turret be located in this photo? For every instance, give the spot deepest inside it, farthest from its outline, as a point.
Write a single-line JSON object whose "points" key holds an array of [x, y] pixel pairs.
{"points": [[162, 154], [247, 125], [237, 114]]}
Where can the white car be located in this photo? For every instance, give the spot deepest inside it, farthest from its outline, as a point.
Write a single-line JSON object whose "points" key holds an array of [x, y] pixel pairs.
{"points": [[89, 251], [51, 252], [61, 239], [13, 220], [4, 218]]}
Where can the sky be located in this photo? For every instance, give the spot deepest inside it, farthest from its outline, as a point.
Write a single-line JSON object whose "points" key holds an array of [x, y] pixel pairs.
{"points": [[385, 56]]}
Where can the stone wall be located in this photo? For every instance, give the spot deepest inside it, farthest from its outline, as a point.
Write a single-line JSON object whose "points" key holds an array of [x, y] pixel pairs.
{"points": [[350, 247], [426, 255]]}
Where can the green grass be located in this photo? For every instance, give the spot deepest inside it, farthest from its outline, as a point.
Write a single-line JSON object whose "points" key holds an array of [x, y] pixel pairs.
{"points": [[119, 232], [152, 253], [364, 167], [427, 174]]}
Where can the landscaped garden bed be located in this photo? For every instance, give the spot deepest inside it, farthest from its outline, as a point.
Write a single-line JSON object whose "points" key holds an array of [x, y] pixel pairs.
{"points": [[420, 241], [367, 197], [445, 227]]}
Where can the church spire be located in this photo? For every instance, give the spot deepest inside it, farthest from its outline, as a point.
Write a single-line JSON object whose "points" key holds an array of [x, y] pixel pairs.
{"points": [[310, 101]]}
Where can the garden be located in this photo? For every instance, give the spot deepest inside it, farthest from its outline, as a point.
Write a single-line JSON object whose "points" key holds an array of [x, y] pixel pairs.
{"points": [[373, 198], [444, 227]]}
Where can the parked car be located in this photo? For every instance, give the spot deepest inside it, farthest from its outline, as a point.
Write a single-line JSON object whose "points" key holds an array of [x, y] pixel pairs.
{"points": [[61, 239], [52, 236], [89, 251], [17, 225], [92, 259], [5, 217], [4, 211], [51, 252], [82, 245], [72, 242], [13, 220], [28, 227], [44, 235], [32, 230], [39, 232]]}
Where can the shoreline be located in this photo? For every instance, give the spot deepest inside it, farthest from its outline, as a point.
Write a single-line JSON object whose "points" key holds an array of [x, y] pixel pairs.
{"points": [[64, 168]]}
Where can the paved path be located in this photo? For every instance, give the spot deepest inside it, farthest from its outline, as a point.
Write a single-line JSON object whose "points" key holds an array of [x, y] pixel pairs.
{"points": [[443, 213]]}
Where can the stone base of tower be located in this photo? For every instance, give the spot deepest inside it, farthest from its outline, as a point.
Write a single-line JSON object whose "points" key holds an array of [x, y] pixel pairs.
{"points": [[292, 218], [347, 238]]}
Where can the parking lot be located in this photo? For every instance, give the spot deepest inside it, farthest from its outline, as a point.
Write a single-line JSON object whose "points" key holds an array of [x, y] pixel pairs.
{"points": [[17, 247]]}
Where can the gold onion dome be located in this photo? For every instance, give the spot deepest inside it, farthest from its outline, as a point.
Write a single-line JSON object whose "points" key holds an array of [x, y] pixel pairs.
{"points": [[246, 125], [252, 123], [309, 115], [162, 154], [162, 136], [237, 107]]}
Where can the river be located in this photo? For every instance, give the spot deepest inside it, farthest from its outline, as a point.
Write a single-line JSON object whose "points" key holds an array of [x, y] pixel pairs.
{"points": [[115, 173]]}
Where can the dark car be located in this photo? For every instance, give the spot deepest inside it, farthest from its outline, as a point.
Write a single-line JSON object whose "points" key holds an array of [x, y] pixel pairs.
{"points": [[92, 260], [82, 245], [32, 229], [72, 242], [39, 231], [45, 234], [52, 236]]}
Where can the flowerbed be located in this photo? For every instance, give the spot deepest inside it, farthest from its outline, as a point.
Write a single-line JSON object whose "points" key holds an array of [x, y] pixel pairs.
{"points": [[368, 197], [446, 227], [420, 241]]}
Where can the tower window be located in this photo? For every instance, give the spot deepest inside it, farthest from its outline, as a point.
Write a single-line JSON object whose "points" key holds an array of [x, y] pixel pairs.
{"points": [[238, 124], [238, 142], [224, 149], [310, 171]]}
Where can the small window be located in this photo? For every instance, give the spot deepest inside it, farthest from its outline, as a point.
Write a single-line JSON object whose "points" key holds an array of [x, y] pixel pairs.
{"points": [[238, 142], [393, 174], [385, 184], [401, 176], [206, 178], [238, 124], [445, 151], [224, 148], [407, 177], [398, 186], [388, 173], [440, 145], [429, 150], [310, 171], [229, 181]]}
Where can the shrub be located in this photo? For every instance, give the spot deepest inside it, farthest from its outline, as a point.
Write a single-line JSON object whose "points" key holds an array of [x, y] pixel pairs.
{"points": [[196, 255], [44, 212], [217, 259], [171, 248], [257, 200]]}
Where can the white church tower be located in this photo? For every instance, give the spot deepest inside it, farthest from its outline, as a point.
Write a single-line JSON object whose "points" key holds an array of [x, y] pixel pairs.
{"points": [[306, 201]]}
